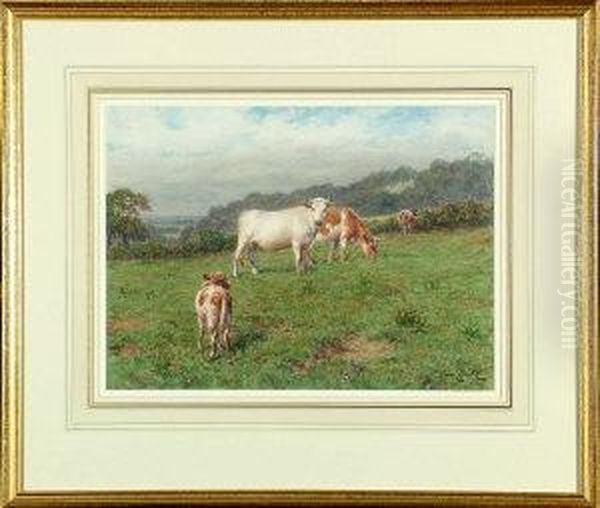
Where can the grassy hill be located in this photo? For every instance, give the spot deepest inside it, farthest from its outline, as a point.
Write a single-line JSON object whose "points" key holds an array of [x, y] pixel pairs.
{"points": [[420, 316]]}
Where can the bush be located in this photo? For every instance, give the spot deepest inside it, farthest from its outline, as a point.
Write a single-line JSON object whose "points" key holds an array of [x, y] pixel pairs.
{"points": [[197, 242], [152, 249], [206, 241], [194, 242], [383, 225], [448, 216], [453, 215]]}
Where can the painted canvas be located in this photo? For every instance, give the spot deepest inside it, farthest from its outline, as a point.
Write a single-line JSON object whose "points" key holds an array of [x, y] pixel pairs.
{"points": [[300, 246]]}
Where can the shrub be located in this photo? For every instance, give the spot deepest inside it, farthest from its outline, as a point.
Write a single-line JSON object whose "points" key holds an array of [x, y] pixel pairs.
{"points": [[149, 250], [197, 242], [194, 242], [453, 215], [383, 225], [205, 241], [448, 216]]}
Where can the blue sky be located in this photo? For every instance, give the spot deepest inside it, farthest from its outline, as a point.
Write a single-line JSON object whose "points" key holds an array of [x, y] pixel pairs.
{"points": [[188, 158]]}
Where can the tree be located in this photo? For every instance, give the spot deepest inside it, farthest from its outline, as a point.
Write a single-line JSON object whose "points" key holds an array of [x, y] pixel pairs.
{"points": [[124, 216]]}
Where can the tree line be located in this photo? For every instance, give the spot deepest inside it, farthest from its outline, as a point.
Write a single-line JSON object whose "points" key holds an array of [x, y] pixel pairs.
{"points": [[380, 193], [452, 193]]}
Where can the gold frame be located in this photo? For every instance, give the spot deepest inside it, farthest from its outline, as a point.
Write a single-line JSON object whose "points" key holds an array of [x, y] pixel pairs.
{"points": [[12, 14]]}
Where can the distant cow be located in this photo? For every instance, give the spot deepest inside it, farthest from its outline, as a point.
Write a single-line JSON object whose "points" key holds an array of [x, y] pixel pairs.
{"points": [[343, 226], [214, 312], [407, 220], [295, 227]]}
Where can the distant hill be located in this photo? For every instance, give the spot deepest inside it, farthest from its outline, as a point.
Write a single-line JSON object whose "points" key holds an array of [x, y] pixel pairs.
{"points": [[379, 193], [169, 226]]}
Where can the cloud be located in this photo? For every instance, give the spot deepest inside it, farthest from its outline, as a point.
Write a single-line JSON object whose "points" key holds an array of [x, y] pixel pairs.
{"points": [[188, 158]]}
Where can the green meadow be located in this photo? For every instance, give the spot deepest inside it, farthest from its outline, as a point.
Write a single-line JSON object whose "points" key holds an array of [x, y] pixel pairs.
{"points": [[419, 316]]}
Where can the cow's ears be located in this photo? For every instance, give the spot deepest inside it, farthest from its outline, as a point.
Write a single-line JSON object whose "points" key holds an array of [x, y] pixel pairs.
{"points": [[206, 276], [307, 204]]}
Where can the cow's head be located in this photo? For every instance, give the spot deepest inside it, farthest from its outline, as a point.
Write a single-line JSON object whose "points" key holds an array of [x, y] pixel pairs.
{"points": [[318, 207], [217, 278], [369, 246]]}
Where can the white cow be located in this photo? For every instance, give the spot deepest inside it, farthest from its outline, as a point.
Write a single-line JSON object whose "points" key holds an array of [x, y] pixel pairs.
{"points": [[295, 227]]}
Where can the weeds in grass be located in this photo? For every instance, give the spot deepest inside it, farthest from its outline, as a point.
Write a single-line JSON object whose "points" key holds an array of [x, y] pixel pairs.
{"points": [[411, 317], [432, 284], [162, 366], [471, 330], [355, 369], [247, 337], [307, 286]]}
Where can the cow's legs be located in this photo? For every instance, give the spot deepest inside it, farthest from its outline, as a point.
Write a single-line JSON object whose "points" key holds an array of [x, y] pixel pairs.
{"points": [[297, 248], [333, 246], [200, 342], [343, 246], [305, 257], [252, 259], [226, 339], [214, 341], [239, 252], [309, 254]]}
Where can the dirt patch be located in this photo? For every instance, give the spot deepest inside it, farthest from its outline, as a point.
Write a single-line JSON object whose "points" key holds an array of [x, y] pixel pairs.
{"points": [[124, 325], [480, 237], [360, 348], [353, 348], [129, 350]]}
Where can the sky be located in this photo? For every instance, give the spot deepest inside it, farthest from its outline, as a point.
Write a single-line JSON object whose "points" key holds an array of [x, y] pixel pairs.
{"points": [[188, 158]]}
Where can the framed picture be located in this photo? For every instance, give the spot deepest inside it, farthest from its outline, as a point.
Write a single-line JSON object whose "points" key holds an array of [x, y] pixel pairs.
{"points": [[318, 253]]}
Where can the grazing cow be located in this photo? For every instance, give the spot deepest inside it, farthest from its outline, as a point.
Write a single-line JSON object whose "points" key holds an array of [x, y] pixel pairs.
{"points": [[295, 227], [343, 226], [407, 220], [214, 310]]}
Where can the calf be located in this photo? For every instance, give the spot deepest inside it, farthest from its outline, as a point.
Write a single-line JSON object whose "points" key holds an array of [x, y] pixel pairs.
{"points": [[214, 311], [343, 226], [407, 220]]}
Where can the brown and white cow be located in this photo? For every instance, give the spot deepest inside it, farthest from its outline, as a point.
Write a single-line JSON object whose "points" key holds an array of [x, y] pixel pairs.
{"points": [[407, 220], [214, 312], [343, 226]]}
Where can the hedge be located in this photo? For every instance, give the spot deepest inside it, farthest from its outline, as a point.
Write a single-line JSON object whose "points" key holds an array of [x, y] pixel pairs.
{"points": [[197, 243], [448, 216], [209, 241]]}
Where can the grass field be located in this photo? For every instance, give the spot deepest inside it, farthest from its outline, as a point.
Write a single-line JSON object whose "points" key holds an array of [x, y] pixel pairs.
{"points": [[418, 317]]}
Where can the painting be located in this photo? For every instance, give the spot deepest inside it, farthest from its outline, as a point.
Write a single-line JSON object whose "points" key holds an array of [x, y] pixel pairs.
{"points": [[315, 245]]}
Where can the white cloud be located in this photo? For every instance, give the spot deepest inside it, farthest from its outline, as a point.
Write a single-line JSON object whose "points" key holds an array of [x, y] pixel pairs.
{"points": [[188, 158]]}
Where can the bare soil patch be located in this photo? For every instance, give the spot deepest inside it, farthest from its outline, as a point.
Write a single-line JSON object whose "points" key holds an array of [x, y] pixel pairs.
{"points": [[129, 350], [355, 348], [124, 325]]}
